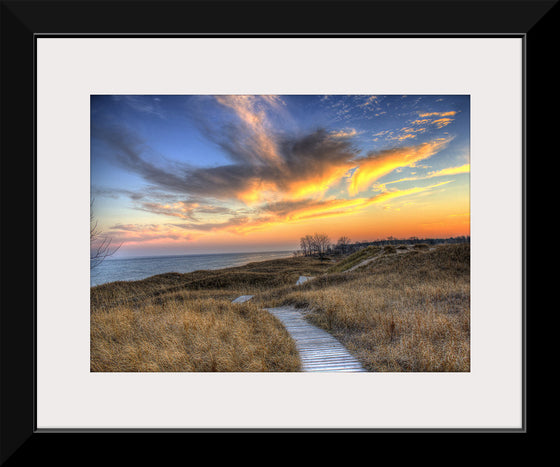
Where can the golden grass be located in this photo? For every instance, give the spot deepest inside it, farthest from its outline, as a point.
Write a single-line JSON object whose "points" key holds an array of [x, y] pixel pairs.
{"points": [[402, 312], [198, 335], [355, 258], [245, 280], [186, 322], [406, 312]]}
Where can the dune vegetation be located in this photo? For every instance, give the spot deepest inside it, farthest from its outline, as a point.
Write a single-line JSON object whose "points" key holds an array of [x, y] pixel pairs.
{"points": [[407, 311], [186, 322], [407, 308]]}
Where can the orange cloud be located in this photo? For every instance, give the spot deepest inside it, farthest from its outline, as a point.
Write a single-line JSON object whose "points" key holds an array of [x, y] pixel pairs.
{"points": [[404, 137], [414, 130], [257, 191], [466, 168], [295, 211], [388, 195], [327, 208], [440, 123], [438, 114], [442, 118], [371, 169], [420, 122], [344, 133], [317, 185], [263, 219], [369, 101]]}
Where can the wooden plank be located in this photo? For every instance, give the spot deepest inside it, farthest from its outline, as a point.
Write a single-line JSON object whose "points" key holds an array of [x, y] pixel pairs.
{"points": [[319, 351], [242, 299]]}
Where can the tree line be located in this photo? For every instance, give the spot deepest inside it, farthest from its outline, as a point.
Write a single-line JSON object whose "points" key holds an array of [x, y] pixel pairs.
{"points": [[319, 244]]}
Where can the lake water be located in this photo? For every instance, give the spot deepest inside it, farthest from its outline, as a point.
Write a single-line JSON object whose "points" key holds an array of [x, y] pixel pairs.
{"points": [[130, 269]]}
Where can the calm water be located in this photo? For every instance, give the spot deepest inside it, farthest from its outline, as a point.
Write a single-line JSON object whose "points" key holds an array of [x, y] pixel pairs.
{"points": [[131, 269]]}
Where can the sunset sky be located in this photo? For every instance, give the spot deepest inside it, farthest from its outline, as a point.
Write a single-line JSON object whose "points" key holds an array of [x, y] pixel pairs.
{"points": [[175, 174]]}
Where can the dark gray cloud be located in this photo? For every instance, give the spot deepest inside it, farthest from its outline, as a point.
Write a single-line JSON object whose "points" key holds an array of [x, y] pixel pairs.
{"points": [[299, 158], [156, 208], [190, 209], [284, 208]]}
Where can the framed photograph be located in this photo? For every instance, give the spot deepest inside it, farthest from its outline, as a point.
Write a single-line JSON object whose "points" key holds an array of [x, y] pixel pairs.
{"points": [[296, 228]]}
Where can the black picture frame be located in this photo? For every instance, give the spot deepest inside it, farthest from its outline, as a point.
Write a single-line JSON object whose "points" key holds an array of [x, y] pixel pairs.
{"points": [[22, 22]]}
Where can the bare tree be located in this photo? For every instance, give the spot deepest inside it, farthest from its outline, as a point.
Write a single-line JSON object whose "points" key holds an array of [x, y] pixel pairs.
{"points": [[307, 245], [317, 244], [304, 246], [100, 245], [321, 244]]}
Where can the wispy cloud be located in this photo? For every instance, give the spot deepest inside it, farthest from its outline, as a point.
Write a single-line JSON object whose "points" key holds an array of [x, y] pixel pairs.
{"points": [[381, 163], [439, 173], [403, 137], [254, 141], [438, 114], [145, 233], [346, 133], [441, 122]]}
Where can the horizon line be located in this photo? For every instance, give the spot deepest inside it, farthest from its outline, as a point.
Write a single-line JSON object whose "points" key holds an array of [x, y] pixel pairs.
{"points": [[292, 250]]}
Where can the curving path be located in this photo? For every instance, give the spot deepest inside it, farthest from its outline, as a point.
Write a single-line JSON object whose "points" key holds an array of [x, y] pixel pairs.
{"points": [[318, 350], [363, 263], [373, 258]]}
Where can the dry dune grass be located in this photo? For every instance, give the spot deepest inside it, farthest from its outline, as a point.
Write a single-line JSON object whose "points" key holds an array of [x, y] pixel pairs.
{"points": [[354, 259], [403, 312], [249, 279], [407, 310], [194, 335], [186, 322]]}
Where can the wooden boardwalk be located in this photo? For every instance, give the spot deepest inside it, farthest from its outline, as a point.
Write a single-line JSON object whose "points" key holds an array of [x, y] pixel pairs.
{"points": [[318, 350]]}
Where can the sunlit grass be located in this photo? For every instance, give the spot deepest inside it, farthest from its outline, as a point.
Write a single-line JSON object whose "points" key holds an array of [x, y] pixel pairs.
{"points": [[355, 258], [186, 322], [407, 310], [196, 335]]}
